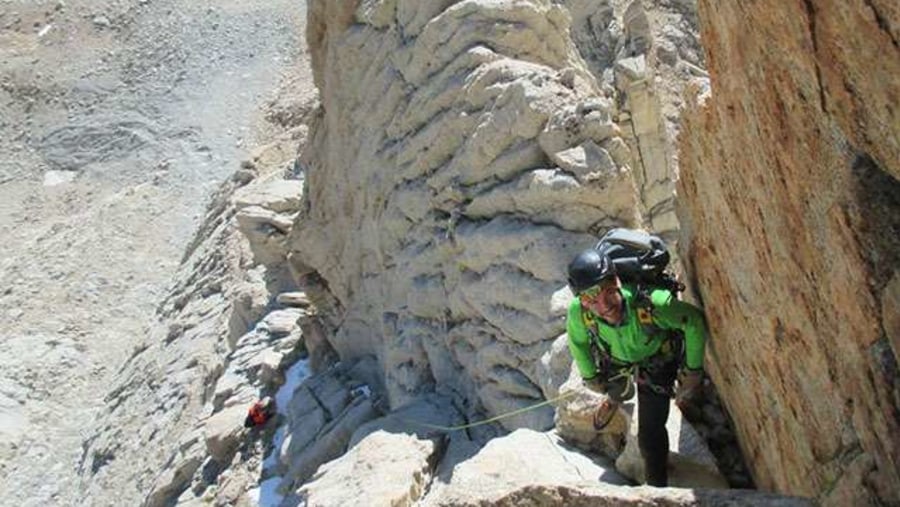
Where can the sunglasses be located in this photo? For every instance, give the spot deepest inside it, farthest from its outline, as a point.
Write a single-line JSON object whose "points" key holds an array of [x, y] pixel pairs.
{"points": [[593, 292]]}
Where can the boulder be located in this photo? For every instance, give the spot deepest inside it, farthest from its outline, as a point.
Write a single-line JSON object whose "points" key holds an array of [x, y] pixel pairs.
{"points": [[575, 416], [277, 195], [555, 367], [585, 161], [172, 480], [223, 432], [383, 468], [426, 417], [591, 494], [297, 299], [321, 417], [281, 322], [481, 476], [266, 231], [265, 214], [330, 442]]}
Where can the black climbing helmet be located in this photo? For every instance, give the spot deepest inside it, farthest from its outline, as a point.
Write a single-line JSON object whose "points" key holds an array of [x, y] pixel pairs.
{"points": [[588, 269]]}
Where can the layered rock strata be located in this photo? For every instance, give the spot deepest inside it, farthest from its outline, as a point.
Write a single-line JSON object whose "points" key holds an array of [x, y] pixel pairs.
{"points": [[146, 440], [220, 460], [463, 155], [790, 198], [644, 54]]}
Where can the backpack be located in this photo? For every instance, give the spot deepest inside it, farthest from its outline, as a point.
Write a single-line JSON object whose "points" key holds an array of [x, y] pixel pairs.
{"points": [[640, 259]]}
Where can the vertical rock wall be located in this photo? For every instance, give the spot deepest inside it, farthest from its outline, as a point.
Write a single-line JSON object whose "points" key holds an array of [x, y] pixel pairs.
{"points": [[644, 53], [464, 154], [658, 56], [791, 202]]}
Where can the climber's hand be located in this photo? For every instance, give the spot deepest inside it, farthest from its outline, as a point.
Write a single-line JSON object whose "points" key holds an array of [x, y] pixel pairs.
{"points": [[690, 383]]}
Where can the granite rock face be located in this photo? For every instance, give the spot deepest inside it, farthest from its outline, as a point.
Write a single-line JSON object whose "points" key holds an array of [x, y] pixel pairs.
{"points": [[463, 155], [790, 201], [464, 150]]}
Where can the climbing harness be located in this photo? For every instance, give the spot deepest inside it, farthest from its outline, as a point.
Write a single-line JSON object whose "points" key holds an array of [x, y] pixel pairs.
{"points": [[663, 365]]}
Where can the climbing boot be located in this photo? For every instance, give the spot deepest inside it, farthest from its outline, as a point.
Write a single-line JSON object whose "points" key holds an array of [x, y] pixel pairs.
{"points": [[604, 414]]}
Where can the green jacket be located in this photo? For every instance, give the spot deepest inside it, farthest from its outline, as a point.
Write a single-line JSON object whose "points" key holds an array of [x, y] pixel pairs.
{"points": [[633, 341]]}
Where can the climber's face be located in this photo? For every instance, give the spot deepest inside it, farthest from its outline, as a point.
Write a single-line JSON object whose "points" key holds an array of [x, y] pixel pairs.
{"points": [[605, 300]]}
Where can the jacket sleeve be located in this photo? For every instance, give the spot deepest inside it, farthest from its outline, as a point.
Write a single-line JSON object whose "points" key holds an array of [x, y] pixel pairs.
{"points": [[579, 341], [671, 313]]}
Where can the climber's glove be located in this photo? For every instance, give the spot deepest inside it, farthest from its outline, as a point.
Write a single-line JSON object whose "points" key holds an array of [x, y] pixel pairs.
{"points": [[690, 385]]}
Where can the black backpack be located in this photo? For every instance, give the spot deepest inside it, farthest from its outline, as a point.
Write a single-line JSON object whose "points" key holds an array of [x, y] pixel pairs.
{"points": [[640, 259]]}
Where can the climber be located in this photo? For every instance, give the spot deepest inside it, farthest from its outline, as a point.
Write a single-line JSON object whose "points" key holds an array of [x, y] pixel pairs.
{"points": [[260, 412], [614, 334]]}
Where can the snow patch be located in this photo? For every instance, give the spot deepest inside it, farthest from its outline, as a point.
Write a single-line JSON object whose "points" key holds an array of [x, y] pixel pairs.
{"points": [[277, 442], [295, 376], [267, 493]]}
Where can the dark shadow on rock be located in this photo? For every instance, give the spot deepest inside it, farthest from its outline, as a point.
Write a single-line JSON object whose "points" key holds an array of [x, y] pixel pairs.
{"points": [[878, 230]]}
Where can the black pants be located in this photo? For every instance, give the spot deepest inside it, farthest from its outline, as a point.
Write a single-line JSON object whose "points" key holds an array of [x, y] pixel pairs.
{"points": [[653, 439], [656, 380]]}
